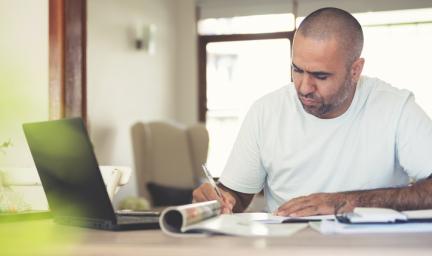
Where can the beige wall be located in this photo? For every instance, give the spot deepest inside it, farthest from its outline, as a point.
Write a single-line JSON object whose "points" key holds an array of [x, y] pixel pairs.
{"points": [[186, 84], [126, 85], [23, 73], [23, 83]]}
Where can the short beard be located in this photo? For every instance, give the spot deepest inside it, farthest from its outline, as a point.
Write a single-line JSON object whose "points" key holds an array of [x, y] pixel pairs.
{"points": [[336, 101]]}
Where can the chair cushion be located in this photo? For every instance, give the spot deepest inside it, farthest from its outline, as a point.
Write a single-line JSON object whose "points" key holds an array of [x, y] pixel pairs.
{"points": [[166, 195]]}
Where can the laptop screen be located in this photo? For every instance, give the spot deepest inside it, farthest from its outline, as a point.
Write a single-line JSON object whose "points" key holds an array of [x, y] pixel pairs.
{"points": [[68, 169]]}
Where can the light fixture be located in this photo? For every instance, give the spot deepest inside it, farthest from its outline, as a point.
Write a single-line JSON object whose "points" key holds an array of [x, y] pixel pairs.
{"points": [[145, 37]]}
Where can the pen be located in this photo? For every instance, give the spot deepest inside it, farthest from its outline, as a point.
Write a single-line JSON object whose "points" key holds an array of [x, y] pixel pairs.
{"points": [[211, 181]]}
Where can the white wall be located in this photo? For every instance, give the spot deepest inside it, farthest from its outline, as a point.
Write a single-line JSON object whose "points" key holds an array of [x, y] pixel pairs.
{"points": [[126, 85], [186, 84], [23, 73], [23, 82]]}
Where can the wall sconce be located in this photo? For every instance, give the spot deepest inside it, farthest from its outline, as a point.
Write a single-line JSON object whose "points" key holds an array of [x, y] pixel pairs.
{"points": [[145, 37]]}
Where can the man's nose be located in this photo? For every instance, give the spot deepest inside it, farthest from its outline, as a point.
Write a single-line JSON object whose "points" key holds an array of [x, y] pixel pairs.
{"points": [[307, 85]]}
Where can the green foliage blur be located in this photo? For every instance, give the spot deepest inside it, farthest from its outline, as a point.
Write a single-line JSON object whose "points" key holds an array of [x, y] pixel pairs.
{"points": [[41, 237], [5, 145], [24, 98], [134, 203]]}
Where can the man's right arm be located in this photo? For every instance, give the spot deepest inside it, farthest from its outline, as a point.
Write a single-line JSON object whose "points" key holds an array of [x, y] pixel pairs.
{"points": [[232, 201], [243, 169], [242, 199]]}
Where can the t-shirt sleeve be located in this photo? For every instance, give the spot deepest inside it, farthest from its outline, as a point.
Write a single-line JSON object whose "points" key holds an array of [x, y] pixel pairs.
{"points": [[243, 171], [414, 141]]}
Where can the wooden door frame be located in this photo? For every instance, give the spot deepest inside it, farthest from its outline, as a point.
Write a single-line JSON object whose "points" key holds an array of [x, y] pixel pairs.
{"points": [[67, 58]]}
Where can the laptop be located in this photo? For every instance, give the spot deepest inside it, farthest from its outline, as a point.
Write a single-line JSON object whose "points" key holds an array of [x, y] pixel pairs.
{"points": [[72, 181]]}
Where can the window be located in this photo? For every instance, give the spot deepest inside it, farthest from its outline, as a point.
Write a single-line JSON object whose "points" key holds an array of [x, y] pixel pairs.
{"points": [[237, 69], [247, 24], [398, 50]]}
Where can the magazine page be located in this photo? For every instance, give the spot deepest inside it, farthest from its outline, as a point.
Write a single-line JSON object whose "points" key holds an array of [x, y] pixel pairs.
{"points": [[176, 219], [206, 218], [242, 225]]}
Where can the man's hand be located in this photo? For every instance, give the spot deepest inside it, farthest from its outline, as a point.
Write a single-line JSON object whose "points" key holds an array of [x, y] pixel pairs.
{"points": [[414, 197], [315, 204], [206, 192]]}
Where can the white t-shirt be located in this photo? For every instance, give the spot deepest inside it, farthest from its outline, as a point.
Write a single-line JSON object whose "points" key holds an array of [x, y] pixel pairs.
{"points": [[382, 140]]}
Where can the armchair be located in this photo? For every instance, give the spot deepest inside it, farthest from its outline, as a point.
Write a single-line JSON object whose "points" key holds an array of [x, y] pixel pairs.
{"points": [[168, 160]]}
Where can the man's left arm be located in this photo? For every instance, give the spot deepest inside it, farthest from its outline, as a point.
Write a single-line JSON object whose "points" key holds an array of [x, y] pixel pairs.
{"points": [[414, 197], [414, 147]]}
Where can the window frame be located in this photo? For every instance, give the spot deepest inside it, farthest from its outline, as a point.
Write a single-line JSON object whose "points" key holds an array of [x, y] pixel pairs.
{"points": [[203, 40]]}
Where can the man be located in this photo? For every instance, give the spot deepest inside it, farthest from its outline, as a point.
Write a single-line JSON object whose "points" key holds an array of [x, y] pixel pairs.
{"points": [[334, 139]]}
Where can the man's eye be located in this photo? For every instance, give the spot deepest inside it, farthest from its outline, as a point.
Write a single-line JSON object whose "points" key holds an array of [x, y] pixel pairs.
{"points": [[297, 70], [321, 77]]}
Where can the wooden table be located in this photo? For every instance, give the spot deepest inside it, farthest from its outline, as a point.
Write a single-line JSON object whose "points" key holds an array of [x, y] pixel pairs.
{"points": [[19, 239]]}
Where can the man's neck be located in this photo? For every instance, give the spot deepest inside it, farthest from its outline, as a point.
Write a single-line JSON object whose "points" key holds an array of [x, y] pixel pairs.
{"points": [[342, 108]]}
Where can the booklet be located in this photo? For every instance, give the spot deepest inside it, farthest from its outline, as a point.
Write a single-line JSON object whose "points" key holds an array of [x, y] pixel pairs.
{"points": [[377, 220], [334, 227], [205, 219], [366, 215]]}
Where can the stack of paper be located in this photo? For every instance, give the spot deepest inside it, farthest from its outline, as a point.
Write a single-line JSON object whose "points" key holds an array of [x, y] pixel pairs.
{"points": [[334, 227], [377, 220]]}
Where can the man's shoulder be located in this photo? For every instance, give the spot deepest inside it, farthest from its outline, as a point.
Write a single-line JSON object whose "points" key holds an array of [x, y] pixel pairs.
{"points": [[379, 91], [380, 94], [382, 101], [272, 104], [276, 97]]}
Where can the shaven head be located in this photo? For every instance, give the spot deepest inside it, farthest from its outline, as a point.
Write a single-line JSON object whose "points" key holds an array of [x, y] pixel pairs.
{"points": [[333, 23]]}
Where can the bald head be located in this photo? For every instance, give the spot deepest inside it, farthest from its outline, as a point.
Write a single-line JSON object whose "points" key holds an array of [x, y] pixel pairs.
{"points": [[333, 23]]}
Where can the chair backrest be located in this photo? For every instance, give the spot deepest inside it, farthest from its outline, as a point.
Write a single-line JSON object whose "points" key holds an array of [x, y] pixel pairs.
{"points": [[168, 154], [199, 143]]}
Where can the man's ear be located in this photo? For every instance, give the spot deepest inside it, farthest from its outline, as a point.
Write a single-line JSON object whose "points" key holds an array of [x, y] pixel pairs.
{"points": [[356, 69]]}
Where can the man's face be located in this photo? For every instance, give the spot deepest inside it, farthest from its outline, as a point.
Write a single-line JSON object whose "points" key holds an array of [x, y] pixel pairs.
{"points": [[323, 80]]}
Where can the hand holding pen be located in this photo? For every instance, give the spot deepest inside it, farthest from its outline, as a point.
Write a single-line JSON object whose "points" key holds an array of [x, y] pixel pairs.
{"points": [[210, 191]]}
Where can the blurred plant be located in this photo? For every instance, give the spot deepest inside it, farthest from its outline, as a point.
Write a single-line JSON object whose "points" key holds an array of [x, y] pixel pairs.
{"points": [[5, 145], [10, 201], [134, 204]]}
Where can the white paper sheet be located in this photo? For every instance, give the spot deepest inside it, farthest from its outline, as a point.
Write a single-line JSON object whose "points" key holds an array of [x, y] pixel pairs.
{"points": [[268, 218], [333, 227], [418, 214]]}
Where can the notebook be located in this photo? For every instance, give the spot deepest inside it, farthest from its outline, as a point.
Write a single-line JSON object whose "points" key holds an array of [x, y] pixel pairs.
{"points": [[72, 181], [377, 220]]}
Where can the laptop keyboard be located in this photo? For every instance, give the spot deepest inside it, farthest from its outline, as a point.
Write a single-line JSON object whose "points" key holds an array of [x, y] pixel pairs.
{"points": [[137, 213], [122, 219]]}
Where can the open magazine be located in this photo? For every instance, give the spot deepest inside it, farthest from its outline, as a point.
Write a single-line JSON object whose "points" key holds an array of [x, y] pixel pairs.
{"points": [[206, 218]]}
